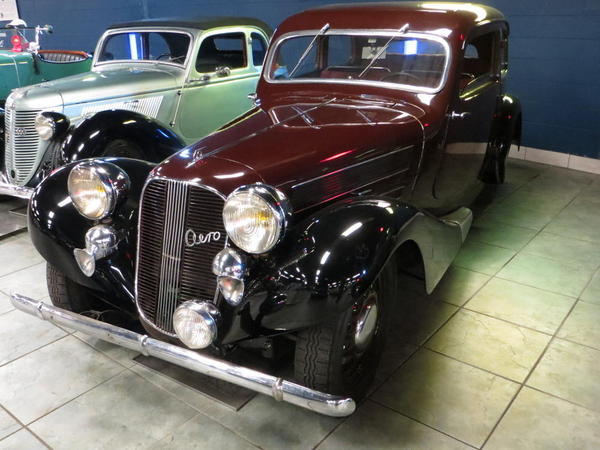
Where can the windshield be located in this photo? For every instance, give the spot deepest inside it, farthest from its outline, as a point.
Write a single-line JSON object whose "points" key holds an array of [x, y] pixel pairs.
{"points": [[418, 62], [146, 46], [16, 40]]}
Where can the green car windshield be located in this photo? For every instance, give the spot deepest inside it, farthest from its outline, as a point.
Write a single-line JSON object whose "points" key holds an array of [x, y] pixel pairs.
{"points": [[167, 47], [400, 60]]}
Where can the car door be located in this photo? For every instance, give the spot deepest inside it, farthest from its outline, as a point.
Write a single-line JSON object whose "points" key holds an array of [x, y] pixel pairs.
{"points": [[225, 71], [470, 117]]}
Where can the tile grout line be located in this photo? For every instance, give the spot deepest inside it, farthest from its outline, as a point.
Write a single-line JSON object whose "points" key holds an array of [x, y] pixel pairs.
{"points": [[34, 350], [524, 383], [23, 427], [423, 423], [200, 412], [543, 353]]}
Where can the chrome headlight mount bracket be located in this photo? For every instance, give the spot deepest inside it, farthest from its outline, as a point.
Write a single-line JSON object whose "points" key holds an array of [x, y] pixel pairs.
{"points": [[100, 242], [231, 269]]}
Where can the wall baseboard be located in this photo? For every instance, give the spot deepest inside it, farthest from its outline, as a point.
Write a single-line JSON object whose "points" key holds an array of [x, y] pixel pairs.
{"points": [[557, 159]]}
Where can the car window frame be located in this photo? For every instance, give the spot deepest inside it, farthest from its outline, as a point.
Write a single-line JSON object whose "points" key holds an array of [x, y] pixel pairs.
{"points": [[100, 45], [494, 73], [210, 33], [265, 41], [361, 32]]}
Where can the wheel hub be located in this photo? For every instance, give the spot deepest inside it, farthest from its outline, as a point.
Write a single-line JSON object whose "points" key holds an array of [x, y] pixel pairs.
{"points": [[366, 323]]}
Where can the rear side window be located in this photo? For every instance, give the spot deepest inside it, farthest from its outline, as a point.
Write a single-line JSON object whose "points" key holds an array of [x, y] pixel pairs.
{"points": [[222, 50], [479, 56], [259, 49]]}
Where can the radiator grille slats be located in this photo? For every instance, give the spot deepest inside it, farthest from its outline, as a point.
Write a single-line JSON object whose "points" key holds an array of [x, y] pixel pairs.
{"points": [[169, 272], [22, 143]]}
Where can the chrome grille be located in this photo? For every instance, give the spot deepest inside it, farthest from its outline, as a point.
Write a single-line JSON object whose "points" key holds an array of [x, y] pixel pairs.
{"points": [[22, 144], [169, 272]]}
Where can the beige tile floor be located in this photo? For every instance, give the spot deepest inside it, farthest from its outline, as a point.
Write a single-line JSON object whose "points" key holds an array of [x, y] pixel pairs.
{"points": [[504, 355]]}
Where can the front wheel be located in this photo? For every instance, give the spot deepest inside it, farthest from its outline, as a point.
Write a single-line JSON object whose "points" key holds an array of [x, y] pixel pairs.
{"points": [[342, 355], [123, 149], [67, 294]]}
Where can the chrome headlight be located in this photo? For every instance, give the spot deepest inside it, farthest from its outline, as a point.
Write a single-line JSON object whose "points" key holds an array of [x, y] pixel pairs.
{"points": [[45, 126], [95, 187], [255, 217]]}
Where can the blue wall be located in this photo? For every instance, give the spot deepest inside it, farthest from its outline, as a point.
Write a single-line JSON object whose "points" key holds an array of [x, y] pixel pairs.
{"points": [[554, 53]]}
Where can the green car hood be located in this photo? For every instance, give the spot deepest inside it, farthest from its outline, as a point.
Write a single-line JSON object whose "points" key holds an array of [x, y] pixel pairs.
{"points": [[101, 84]]}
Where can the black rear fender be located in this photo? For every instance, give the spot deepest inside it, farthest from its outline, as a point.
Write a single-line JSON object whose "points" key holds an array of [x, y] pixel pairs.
{"points": [[57, 228], [506, 126], [90, 138]]}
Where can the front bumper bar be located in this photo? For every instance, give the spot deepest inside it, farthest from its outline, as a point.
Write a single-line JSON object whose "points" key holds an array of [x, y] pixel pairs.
{"points": [[6, 188], [278, 388]]}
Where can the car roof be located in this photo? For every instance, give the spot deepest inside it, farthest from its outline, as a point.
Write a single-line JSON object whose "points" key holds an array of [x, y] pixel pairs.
{"points": [[421, 16], [200, 23]]}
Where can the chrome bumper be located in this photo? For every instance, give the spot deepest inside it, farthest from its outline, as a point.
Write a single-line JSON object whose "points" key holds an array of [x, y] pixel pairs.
{"points": [[278, 388], [6, 188]]}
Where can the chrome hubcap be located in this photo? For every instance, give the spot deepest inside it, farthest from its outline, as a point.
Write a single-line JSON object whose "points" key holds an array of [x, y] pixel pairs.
{"points": [[366, 323]]}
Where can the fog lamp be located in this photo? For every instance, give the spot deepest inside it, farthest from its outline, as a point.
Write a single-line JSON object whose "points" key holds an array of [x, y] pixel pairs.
{"points": [[195, 324]]}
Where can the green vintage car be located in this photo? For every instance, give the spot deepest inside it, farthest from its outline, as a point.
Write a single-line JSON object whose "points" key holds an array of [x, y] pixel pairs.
{"points": [[155, 86], [22, 63]]}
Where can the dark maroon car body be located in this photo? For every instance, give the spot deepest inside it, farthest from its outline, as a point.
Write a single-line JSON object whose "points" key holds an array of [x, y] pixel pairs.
{"points": [[402, 162]]}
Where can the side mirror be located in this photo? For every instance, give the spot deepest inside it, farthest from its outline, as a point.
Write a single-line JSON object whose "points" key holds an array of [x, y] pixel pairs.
{"points": [[223, 71]]}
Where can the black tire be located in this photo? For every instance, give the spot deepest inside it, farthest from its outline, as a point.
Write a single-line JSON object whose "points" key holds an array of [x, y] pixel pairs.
{"points": [[66, 294], [327, 358], [122, 149], [495, 162]]}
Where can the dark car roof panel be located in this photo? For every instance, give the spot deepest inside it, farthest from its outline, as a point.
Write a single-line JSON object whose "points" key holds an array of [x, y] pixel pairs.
{"points": [[200, 23], [421, 16]]}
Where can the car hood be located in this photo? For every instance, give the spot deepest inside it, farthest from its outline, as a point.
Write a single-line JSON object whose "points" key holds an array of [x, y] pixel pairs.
{"points": [[299, 139], [102, 84]]}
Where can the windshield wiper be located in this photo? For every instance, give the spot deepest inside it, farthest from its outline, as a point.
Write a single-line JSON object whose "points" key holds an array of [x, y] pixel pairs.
{"points": [[383, 49], [321, 32]]}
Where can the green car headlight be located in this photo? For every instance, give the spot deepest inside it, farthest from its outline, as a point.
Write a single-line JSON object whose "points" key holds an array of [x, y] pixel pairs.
{"points": [[45, 127]]}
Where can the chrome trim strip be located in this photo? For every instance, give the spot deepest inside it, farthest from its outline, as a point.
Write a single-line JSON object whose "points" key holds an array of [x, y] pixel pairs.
{"points": [[137, 258], [13, 190], [357, 32], [278, 388], [360, 163], [398, 172]]}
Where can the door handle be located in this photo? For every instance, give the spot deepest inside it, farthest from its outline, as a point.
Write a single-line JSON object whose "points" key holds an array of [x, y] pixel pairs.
{"points": [[462, 115]]}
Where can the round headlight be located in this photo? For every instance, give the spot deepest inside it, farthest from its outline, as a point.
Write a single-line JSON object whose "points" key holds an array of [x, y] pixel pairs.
{"points": [[255, 217], [195, 324], [45, 127], [94, 188]]}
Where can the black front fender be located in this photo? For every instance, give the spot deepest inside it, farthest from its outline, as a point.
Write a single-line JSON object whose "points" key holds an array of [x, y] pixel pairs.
{"points": [[56, 228], [90, 137], [331, 259]]}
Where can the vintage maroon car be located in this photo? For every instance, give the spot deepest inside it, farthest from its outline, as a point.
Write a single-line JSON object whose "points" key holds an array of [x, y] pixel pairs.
{"points": [[374, 126]]}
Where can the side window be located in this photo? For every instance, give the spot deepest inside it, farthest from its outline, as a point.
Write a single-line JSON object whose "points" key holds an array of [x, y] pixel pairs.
{"points": [[259, 49], [479, 56], [504, 50], [222, 50]]}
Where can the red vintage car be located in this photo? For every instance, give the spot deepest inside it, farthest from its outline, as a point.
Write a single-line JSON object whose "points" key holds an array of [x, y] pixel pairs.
{"points": [[374, 126]]}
